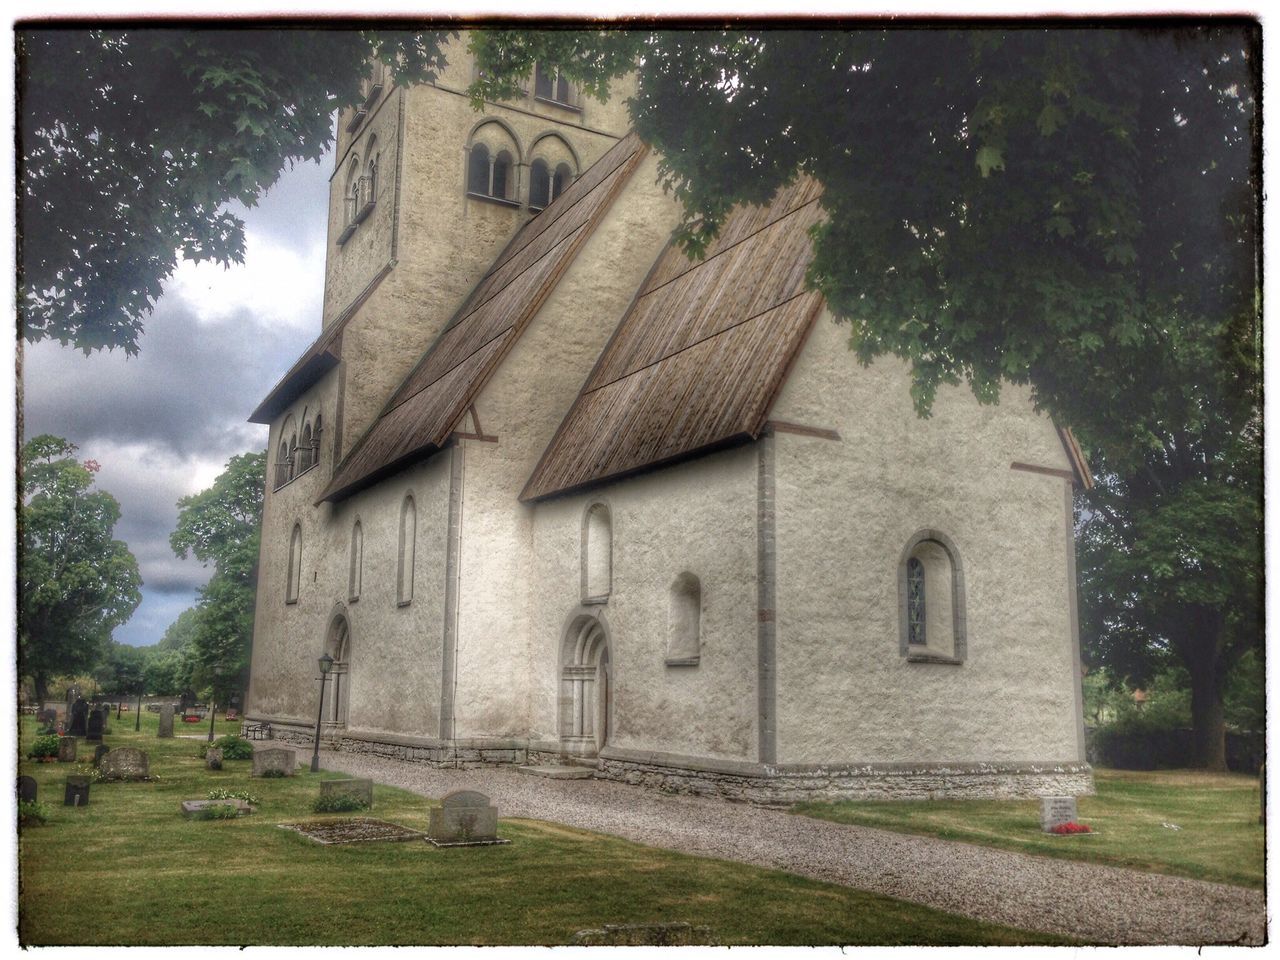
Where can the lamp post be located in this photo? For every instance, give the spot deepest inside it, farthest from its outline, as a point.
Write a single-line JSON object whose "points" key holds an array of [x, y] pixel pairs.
{"points": [[137, 720], [326, 664]]}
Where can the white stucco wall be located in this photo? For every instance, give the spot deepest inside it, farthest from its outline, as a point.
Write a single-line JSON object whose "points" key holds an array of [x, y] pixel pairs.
{"points": [[845, 512]]}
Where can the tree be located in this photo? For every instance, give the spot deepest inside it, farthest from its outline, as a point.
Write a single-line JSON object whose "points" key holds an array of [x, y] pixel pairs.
{"points": [[121, 669], [221, 526], [134, 141], [1075, 210], [75, 583]]}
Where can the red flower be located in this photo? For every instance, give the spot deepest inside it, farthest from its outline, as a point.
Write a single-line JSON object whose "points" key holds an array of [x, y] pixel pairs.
{"points": [[93, 466], [1072, 827]]}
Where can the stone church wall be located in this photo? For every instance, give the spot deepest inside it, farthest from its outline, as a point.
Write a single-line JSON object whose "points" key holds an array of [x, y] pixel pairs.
{"points": [[846, 510]]}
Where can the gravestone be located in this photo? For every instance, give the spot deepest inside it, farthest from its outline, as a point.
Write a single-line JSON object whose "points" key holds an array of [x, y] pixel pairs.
{"points": [[79, 718], [186, 701], [27, 789], [97, 723], [266, 762], [463, 817], [166, 721], [66, 749], [1055, 811], [193, 808], [47, 716], [77, 792], [100, 751], [125, 763], [362, 789], [213, 758]]}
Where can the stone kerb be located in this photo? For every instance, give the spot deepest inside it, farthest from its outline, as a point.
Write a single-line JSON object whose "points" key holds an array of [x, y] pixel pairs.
{"points": [[275, 762], [191, 809], [125, 763], [464, 818], [361, 789]]}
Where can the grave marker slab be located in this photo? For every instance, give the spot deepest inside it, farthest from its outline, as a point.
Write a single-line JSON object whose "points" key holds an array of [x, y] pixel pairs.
{"points": [[66, 749], [213, 758], [362, 789], [125, 763], [27, 789], [1055, 811], [77, 792], [79, 718], [192, 808], [266, 762], [166, 721], [96, 725], [464, 818]]}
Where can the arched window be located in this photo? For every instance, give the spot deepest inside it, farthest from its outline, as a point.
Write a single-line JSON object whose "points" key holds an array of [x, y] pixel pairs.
{"points": [[562, 88], [352, 192], [408, 541], [684, 621], [543, 82], [563, 177], [478, 170], [371, 173], [501, 175], [539, 184], [931, 600], [282, 465], [304, 452], [315, 442], [597, 554], [295, 565], [293, 455], [355, 576]]}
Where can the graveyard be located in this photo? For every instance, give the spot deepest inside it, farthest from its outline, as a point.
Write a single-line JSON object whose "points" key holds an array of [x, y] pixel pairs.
{"points": [[139, 872]]}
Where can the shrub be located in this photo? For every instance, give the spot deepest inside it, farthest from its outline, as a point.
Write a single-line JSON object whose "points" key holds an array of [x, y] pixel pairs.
{"points": [[32, 813], [338, 803], [272, 774], [46, 746], [222, 793], [233, 747]]}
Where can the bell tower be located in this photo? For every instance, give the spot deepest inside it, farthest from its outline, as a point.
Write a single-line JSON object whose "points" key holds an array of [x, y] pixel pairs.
{"points": [[425, 193]]}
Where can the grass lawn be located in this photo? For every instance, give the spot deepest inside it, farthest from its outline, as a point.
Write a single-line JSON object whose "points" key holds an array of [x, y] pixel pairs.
{"points": [[1219, 837], [128, 869]]}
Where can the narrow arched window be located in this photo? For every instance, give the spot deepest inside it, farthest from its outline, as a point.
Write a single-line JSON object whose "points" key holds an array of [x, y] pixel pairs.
{"points": [[315, 442], [562, 88], [304, 453], [684, 621], [478, 169], [539, 184], [356, 574], [408, 538], [293, 456], [597, 554], [543, 82], [932, 600], [915, 601], [282, 465], [352, 194], [501, 174], [295, 565], [563, 177]]}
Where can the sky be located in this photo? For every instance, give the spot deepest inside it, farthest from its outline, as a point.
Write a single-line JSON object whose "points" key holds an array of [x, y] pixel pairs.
{"points": [[163, 424]]}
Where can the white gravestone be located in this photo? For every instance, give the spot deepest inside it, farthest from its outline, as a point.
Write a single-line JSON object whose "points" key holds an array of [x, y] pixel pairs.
{"points": [[1055, 811]]}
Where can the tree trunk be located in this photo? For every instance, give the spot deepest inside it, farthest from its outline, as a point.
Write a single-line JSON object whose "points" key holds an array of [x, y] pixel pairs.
{"points": [[41, 683], [1208, 722]]}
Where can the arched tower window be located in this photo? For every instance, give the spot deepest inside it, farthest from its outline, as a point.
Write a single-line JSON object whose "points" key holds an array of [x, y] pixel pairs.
{"points": [[282, 464], [931, 600], [501, 180], [561, 180], [478, 170], [355, 575], [597, 554], [304, 452], [408, 541], [295, 565], [684, 621], [315, 442], [539, 184], [293, 455], [351, 194]]}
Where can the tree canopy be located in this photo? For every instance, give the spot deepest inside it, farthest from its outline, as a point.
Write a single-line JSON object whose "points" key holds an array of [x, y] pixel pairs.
{"points": [[75, 582], [222, 526], [132, 142]]}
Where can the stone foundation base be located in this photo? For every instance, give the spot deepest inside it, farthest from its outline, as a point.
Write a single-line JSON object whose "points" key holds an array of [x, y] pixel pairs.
{"points": [[765, 784], [782, 785]]}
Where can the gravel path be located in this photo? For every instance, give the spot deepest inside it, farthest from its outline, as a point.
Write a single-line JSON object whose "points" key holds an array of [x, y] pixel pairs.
{"points": [[1095, 903]]}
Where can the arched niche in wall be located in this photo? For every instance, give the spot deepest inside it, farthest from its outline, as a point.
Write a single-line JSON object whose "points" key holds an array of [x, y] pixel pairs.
{"points": [[684, 621], [597, 554]]}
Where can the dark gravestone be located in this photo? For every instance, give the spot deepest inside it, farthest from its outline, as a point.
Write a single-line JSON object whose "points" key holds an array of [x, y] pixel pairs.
{"points": [[77, 793], [361, 789], [48, 716], [26, 790], [100, 751], [79, 718], [213, 758], [165, 729], [97, 723], [186, 701], [125, 763], [463, 817], [66, 749]]}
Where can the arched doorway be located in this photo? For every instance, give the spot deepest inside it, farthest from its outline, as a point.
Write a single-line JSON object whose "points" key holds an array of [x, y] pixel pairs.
{"points": [[338, 646], [586, 704]]}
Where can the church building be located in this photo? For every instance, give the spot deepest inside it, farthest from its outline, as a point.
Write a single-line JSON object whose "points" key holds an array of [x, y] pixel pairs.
{"points": [[549, 492]]}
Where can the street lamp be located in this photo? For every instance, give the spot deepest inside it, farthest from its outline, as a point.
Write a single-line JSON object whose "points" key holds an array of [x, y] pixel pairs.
{"points": [[137, 721], [326, 664]]}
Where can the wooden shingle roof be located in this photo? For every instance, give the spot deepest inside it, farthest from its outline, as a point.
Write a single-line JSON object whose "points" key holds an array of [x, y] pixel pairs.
{"points": [[700, 355], [423, 412]]}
